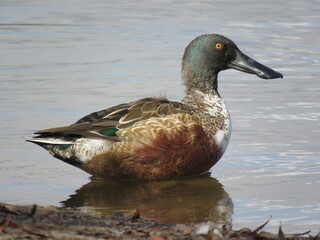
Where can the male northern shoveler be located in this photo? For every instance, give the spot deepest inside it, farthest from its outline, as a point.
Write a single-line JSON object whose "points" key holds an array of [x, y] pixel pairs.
{"points": [[154, 138]]}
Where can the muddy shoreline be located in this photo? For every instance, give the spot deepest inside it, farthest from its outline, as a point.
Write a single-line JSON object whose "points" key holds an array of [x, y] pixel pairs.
{"points": [[36, 222]]}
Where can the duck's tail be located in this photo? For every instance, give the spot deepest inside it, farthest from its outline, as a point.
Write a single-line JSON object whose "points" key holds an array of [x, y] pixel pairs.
{"points": [[59, 148], [73, 150], [45, 142]]}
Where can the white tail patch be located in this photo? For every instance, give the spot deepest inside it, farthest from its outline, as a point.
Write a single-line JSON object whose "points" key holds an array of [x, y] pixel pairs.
{"points": [[85, 149]]}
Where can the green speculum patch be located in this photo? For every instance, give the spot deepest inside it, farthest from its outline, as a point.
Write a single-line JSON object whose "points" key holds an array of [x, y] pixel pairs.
{"points": [[64, 146], [109, 132]]}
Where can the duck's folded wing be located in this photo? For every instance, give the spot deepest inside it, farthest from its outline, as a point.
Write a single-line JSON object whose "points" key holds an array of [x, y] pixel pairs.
{"points": [[107, 122]]}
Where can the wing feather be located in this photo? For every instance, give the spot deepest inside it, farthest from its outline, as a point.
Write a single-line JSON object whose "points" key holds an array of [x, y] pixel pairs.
{"points": [[107, 122]]}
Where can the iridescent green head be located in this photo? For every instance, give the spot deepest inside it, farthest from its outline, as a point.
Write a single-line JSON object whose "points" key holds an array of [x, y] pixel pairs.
{"points": [[209, 54]]}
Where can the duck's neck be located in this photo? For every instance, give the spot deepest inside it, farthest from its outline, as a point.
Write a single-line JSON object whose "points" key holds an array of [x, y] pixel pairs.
{"points": [[207, 82], [201, 85]]}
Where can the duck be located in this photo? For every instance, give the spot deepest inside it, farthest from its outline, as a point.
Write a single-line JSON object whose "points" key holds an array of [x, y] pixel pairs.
{"points": [[155, 138]]}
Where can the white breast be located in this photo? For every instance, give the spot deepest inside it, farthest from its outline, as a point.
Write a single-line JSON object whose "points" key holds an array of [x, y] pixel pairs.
{"points": [[215, 106]]}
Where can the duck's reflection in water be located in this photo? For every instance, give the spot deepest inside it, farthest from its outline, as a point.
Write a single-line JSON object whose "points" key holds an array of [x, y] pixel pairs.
{"points": [[188, 200]]}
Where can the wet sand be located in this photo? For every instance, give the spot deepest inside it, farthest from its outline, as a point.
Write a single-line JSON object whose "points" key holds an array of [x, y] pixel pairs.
{"points": [[36, 222]]}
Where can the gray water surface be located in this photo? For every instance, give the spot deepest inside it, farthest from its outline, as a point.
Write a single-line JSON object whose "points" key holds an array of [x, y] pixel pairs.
{"points": [[61, 60]]}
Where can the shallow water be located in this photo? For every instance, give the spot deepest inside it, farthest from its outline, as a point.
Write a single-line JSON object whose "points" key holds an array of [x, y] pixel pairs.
{"points": [[61, 60]]}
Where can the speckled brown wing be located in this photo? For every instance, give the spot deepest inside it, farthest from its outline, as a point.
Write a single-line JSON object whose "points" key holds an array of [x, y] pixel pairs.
{"points": [[106, 123], [136, 111], [146, 108]]}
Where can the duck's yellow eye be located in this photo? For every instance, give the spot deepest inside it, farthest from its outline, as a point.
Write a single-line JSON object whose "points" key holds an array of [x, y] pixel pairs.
{"points": [[218, 45]]}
